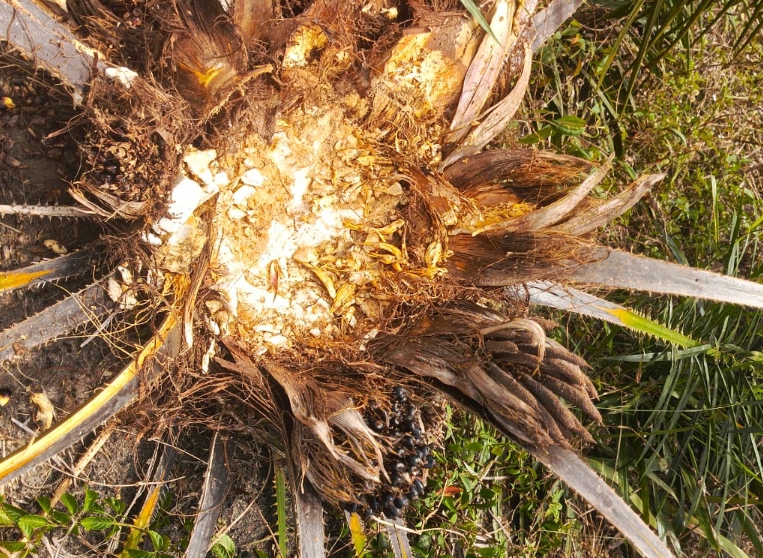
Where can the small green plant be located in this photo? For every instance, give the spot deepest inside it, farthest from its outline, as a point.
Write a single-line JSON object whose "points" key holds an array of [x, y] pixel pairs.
{"points": [[93, 515], [75, 519], [224, 548], [490, 492]]}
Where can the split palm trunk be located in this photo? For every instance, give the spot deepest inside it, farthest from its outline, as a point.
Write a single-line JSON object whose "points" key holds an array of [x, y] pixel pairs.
{"points": [[311, 194]]}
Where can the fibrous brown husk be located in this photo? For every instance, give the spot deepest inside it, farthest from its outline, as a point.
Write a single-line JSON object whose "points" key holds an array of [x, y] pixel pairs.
{"points": [[451, 346], [134, 155]]}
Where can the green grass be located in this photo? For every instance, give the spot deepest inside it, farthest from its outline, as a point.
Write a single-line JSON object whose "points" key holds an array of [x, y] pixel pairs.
{"points": [[683, 425], [489, 496]]}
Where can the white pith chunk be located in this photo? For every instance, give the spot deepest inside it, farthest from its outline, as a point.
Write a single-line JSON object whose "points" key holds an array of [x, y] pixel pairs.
{"points": [[186, 197], [198, 162], [123, 75], [242, 195], [280, 219]]}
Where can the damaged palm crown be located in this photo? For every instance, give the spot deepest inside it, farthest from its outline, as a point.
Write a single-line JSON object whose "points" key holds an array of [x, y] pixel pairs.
{"points": [[313, 230], [307, 224], [317, 233]]}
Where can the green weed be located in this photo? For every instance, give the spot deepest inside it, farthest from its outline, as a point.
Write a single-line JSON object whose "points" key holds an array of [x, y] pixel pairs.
{"points": [[487, 498], [94, 515]]}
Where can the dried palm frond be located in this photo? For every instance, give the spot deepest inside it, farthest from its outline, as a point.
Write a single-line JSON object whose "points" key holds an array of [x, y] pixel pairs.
{"points": [[501, 365], [211, 499], [69, 265]]}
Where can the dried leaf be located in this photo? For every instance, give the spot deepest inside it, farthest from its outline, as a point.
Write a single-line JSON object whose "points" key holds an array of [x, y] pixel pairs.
{"points": [[552, 213], [496, 120], [484, 70], [44, 412], [606, 212], [622, 270]]}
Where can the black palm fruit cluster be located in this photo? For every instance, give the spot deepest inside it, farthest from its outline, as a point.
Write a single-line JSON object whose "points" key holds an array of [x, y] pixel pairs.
{"points": [[407, 461]]}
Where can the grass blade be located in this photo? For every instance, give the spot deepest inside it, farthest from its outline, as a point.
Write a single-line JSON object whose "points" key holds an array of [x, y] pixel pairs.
{"points": [[730, 548], [281, 511], [743, 42], [635, 8], [664, 356], [683, 30], [654, 10], [473, 8]]}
